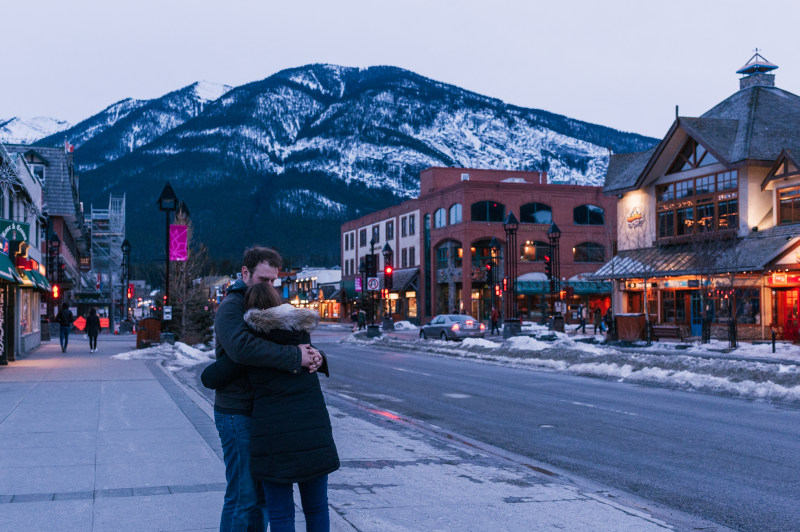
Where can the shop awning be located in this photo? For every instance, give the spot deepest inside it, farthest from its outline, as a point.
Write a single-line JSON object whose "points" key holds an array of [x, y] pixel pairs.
{"points": [[35, 279], [579, 287], [8, 272], [41, 281]]}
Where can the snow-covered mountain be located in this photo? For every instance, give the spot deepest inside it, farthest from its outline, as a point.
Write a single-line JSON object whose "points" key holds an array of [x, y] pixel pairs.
{"points": [[307, 148], [19, 130], [129, 124]]}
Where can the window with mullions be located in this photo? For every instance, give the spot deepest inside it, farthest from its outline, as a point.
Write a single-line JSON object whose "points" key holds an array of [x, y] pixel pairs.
{"points": [[362, 238], [705, 217], [534, 251], [488, 211], [376, 233], [389, 231], [535, 213], [685, 221], [455, 214], [441, 258], [693, 155], [588, 215], [728, 213], [439, 218], [789, 205], [588, 252], [666, 224]]}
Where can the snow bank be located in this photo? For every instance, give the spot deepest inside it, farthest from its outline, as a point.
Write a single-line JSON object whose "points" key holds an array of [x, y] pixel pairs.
{"points": [[479, 342], [405, 326], [173, 357]]}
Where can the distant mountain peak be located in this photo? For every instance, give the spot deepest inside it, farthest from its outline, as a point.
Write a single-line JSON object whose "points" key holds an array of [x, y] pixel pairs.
{"points": [[19, 130], [209, 90]]}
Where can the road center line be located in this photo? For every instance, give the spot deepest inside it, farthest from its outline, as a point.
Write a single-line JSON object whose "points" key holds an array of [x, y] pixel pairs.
{"points": [[415, 372], [587, 405]]}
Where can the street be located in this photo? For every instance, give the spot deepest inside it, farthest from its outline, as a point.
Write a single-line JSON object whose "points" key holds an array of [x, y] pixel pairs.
{"points": [[727, 460]]}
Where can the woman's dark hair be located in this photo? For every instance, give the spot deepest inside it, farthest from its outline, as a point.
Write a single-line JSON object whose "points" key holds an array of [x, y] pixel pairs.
{"points": [[261, 295], [93, 311]]}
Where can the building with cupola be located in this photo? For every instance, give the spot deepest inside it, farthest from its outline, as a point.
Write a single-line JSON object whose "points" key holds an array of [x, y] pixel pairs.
{"points": [[709, 219]]}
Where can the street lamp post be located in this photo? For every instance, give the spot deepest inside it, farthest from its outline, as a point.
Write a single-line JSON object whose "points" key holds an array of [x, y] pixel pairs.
{"points": [[167, 202], [511, 324], [494, 247], [553, 236], [126, 264]]}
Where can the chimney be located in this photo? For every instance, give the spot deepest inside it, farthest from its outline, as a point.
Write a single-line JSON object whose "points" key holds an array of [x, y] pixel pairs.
{"points": [[755, 73]]}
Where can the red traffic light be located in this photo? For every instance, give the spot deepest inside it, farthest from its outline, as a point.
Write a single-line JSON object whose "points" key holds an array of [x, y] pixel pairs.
{"points": [[489, 267], [56, 291], [388, 270]]}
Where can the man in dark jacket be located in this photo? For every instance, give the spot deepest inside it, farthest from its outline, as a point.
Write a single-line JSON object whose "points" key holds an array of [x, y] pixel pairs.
{"points": [[244, 507], [64, 319]]}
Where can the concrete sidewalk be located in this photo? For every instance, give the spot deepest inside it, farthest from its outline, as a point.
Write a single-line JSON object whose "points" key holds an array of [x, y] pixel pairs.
{"points": [[92, 443]]}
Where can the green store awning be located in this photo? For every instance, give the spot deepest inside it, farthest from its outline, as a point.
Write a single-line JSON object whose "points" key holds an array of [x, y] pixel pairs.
{"points": [[8, 272], [36, 280], [40, 281], [580, 287]]}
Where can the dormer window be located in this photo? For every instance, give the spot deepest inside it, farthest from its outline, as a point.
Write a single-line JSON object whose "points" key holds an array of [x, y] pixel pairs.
{"points": [[693, 155], [789, 199]]}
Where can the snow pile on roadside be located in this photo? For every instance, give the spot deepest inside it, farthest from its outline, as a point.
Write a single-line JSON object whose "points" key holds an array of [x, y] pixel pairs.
{"points": [[702, 368], [405, 326], [480, 343], [173, 357]]}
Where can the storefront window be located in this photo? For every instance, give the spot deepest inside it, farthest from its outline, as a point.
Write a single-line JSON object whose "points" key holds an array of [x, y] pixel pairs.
{"points": [[534, 250], [29, 311], [412, 307]]}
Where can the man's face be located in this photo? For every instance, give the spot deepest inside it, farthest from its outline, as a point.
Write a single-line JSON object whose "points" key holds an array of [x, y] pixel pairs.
{"points": [[263, 273]]}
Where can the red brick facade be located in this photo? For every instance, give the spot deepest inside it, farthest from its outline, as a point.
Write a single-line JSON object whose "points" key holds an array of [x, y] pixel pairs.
{"points": [[458, 279]]}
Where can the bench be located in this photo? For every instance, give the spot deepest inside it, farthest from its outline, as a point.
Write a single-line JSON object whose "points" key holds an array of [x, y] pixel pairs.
{"points": [[668, 331]]}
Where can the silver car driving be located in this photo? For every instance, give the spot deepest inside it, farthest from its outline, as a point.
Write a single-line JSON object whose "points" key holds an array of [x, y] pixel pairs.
{"points": [[453, 327]]}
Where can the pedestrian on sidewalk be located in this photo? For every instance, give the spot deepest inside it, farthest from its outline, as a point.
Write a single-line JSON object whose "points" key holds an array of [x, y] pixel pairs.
{"points": [[362, 319], [93, 329], [495, 318], [64, 318], [291, 439], [581, 319], [597, 320], [244, 507]]}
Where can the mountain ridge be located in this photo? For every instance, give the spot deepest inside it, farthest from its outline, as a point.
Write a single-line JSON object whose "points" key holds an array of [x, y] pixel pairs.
{"points": [[325, 141]]}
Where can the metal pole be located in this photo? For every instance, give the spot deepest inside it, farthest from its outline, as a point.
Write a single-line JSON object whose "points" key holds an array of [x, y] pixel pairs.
{"points": [[166, 259]]}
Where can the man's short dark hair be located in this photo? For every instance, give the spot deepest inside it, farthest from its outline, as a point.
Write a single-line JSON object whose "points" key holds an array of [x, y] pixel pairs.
{"points": [[257, 254]]}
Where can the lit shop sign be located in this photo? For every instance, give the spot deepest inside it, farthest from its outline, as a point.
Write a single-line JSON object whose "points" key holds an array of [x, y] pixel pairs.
{"points": [[635, 218], [783, 278], [11, 230]]}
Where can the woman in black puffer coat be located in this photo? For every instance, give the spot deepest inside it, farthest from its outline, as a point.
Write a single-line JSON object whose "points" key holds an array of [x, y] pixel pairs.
{"points": [[291, 439]]}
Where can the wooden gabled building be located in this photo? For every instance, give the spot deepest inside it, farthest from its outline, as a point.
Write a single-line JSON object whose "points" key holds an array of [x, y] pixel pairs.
{"points": [[710, 218]]}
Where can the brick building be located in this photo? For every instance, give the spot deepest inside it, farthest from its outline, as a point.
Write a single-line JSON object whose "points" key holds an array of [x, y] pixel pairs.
{"points": [[441, 242]]}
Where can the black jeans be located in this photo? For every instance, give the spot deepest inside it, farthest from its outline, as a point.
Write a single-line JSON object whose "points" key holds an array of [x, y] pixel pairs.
{"points": [[92, 341]]}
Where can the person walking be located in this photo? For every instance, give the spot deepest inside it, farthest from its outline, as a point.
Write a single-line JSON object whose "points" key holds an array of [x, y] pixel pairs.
{"points": [[581, 319], [597, 320], [244, 507], [64, 318], [93, 329], [362, 319], [608, 320], [495, 318], [291, 440]]}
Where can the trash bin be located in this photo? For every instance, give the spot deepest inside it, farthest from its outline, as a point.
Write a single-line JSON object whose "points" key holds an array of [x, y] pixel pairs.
{"points": [[45, 328], [388, 323], [373, 331], [168, 338]]}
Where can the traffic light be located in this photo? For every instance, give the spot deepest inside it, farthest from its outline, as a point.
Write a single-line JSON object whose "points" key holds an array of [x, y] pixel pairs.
{"points": [[505, 284], [371, 264], [497, 290], [489, 267], [548, 267], [387, 277], [130, 292], [56, 292]]}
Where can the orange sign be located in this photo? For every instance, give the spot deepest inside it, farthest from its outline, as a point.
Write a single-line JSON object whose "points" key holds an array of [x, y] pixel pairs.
{"points": [[104, 323], [80, 323]]}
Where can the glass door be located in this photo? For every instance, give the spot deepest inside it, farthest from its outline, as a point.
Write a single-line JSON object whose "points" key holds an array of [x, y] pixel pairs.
{"points": [[791, 326], [696, 314]]}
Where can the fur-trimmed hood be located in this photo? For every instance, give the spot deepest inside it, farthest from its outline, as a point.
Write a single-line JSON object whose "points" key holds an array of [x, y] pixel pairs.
{"points": [[283, 317]]}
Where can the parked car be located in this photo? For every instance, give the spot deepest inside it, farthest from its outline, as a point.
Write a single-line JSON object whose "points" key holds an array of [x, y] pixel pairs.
{"points": [[453, 327]]}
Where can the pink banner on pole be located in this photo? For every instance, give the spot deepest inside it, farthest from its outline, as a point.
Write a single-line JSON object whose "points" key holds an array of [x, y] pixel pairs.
{"points": [[178, 242]]}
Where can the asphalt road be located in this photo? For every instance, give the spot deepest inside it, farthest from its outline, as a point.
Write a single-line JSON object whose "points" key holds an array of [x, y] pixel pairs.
{"points": [[731, 461]]}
